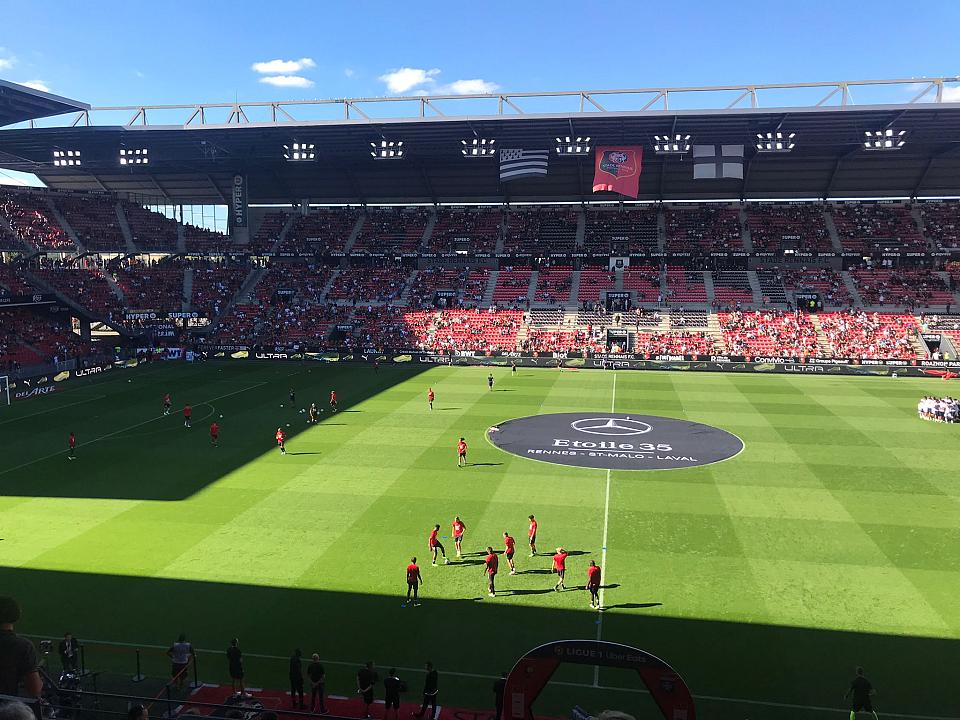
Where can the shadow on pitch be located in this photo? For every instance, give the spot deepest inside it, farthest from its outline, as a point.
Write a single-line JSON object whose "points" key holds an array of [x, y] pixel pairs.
{"points": [[483, 464], [632, 606]]}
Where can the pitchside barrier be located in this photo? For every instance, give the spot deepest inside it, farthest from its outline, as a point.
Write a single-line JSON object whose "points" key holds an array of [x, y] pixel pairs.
{"points": [[613, 361]]}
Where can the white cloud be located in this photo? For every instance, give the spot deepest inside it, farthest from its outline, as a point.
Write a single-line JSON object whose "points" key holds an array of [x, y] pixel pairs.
{"points": [[405, 79], [36, 85], [276, 67], [294, 81], [7, 62], [951, 94], [349, 72], [476, 86]]}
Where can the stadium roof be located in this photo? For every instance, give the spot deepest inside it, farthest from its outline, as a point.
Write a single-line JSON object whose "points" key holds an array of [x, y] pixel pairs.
{"points": [[194, 158], [19, 103]]}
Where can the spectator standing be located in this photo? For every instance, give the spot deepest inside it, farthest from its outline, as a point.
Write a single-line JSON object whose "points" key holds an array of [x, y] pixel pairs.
{"points": [[296, 679], [19, 664], [393, 686], [366, 679], [180, 654], [430, 690], [69, 650], [235, 666], [318, 677]]}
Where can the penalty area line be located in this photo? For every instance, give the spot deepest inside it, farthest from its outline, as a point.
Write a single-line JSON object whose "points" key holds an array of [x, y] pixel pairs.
{"points": [[126, 429]]}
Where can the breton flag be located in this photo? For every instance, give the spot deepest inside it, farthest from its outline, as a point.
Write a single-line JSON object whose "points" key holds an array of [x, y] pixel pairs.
{"points": [[516, 164], [717, 161], [617, 169]]}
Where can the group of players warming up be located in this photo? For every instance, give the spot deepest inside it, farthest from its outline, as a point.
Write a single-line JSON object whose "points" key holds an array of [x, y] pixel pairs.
{"points": [[491, 561]]}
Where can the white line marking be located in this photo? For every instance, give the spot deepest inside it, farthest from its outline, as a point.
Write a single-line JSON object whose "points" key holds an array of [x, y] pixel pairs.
{"points": [[53, 409], [123, 430], [603, 547], [480, 676]]}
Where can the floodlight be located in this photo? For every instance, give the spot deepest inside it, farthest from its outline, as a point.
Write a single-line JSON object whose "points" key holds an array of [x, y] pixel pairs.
{"points": [[478, 147], [387, 150], [299, 152], [671, 144], [138, 156], [888, 139], [775, 142], [63, 158], [573, 145]]}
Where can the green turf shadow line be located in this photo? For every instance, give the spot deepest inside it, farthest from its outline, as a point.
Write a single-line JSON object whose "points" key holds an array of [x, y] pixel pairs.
{"points": [[168, 468], [802, 666]]}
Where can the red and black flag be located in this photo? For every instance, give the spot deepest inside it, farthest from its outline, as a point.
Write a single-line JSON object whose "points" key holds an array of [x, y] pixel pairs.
{"points": [[618, 169]]}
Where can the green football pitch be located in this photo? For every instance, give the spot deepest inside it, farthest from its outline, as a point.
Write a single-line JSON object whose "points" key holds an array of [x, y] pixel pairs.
{"points": [[832, 540]]}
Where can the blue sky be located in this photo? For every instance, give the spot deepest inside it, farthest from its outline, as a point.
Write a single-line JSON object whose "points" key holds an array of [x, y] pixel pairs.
{"points": [[126, 53], [188, 51]]}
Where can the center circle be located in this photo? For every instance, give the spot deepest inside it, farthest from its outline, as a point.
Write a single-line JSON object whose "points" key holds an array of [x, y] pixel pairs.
{"points": [[615, 441]]}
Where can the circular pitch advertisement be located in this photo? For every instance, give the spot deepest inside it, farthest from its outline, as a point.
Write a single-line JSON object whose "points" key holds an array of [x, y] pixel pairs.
{"points": [[615, 441]]}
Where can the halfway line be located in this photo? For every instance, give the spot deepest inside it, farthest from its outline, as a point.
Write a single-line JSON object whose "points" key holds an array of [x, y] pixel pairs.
{"points": [[603, 547]]}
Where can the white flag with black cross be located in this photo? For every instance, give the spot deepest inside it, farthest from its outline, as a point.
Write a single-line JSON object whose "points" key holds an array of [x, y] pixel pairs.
{"points": [[711, 162]]}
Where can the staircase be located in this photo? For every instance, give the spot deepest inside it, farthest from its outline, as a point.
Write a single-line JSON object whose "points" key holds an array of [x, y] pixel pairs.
{"points": [[187, 289], [125, 228], [755, 287], [581, 228], [181, 238], [708, 286], [661, 231], [532, 287], [326, 288], [488, 292], [58, 216], [428, 229], [832, 230], [284, 231], [745, 230], [852, 289], [498, 248], [355, 233], [714, 329], [404, 299], [115, 288], [918, 219], [574, 289], [822, 342]]}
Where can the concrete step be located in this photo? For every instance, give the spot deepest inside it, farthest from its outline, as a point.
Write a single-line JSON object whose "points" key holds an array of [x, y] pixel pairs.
{"points": [[574, 288], [755, 287], [532, 287], [581, 228], [58, 216], [187, 289], [708, 286], [488, 292], [326, 288], [428, 229], [355, 232], [745, 231], [832, 230], [125, 228], [852, 289]]}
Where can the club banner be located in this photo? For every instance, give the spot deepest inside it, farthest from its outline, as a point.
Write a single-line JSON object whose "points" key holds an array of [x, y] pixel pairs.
{"points": [[618, 169]]}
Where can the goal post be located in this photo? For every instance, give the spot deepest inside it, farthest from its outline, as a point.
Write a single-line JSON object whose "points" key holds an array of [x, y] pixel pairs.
{"points": [[4, 389]]}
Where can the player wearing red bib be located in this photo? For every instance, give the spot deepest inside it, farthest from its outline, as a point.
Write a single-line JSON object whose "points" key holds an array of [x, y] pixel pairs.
{"points": [[509, 548], [167, 402], [187, 414], [333, 400], [532, 536], [71, 446], [214, 433], [435, 545], [458, 528], [281, 437], [430, 397], [414, 580], [462, 453], [490, 564], [560, 568], [593, 584]]}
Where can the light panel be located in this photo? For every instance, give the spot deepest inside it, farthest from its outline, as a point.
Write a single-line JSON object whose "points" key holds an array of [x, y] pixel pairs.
{"points": [[299, 152], [138, 156], [775, 142], [64, 158], [573, 145], [478, 147], [387, 150], [676, 144], [888, 139]]}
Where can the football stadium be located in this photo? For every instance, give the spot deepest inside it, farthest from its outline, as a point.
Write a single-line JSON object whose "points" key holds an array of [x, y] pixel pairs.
{"points": [[607, 403]]}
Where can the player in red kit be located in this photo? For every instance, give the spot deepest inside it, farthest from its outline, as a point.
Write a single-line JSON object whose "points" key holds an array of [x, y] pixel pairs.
{"points": [[72, 447], [281, 437], [509, 548], [430, 397], [414, 580], [167, 402], [333, 400], [593, 584], [458, 529], [490, 565], [462, 453], [532, 536], [187, 414], [214, 433], [560, 568], [434, 544]]}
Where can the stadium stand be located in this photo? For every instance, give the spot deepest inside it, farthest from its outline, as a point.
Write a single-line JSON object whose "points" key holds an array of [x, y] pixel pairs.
{"points": [[540, 231], [151, 231], [731, 287], [873, 335], [151, 288], [797, 226], [392, 230], [553, 285], [31, 221], [593, 282], [27, 338], [685, 286], [214, 285], [462, 230], [621, 231], [369, 284], [322, 231], [769, 332], [512, 287], [941, 223], [869, 227], [12, 282], [901, 288], [644, 281], [828, 283], [268, 233], [204, 241], [675, 343], [468, 286], [85, 287], [484, 330], [94, 221], [703, 228]]}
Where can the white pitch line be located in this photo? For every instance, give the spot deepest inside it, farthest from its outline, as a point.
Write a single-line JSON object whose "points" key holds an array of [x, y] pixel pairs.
{"points": [[482, 676], [603, 547], [123, 430], [53, 409]]}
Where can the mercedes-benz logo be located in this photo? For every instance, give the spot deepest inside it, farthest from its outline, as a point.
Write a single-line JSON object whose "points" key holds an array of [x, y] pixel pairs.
{"points": [[611, 426]]}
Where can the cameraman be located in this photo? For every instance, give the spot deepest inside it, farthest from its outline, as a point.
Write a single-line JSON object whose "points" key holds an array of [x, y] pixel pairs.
{"points": [[19, 664]]}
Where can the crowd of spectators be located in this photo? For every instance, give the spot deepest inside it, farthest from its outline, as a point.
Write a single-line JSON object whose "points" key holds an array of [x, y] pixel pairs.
{"points": [[32, 222], [553, 285], [392, 230], [621, 231], [703, 228], [322, 231], [151, 288], [797, 226], [901, 288], [941, 223], [28, 338], [469, 330], [468, 286], [828, 283], [151, 231], [512, 288], [874, 335], [870, 227], [94, 221], [769, 332], [675, 343], [360, 285], [214, 285], [465, 230], [540, 231]]}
